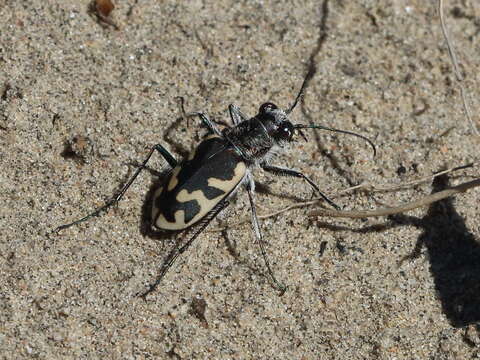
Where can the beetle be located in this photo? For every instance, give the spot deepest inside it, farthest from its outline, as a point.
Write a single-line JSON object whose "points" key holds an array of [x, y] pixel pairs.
{"points": [[197, 189]]}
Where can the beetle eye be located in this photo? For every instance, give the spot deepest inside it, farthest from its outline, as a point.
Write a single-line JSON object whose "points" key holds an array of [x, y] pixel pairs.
{"points": [[267, 107], [285, 131]]}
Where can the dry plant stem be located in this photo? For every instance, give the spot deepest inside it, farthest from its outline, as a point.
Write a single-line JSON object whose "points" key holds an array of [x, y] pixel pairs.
{"points": [[378, 188], [403, 208], [372, 188], [454, 60]]}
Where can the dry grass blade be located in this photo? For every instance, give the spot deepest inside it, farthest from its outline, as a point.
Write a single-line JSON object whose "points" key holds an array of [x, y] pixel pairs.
{"points": [[365, 186], [427, 200], [456, 68]]}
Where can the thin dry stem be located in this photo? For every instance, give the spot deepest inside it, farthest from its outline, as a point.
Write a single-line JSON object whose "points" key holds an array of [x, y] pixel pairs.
{"points": [[365, 186], [426, 201], [456, 68]]}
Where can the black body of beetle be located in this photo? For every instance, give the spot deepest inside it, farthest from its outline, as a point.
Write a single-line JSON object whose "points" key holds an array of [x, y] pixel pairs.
{"points": [[198, 188]]}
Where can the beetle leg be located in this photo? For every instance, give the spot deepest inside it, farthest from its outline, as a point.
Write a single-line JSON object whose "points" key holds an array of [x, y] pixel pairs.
{"points": [[290, 172], [258, 234], [166, 155], [208, 123], [173, 255], [205, 120], [236, 115]]}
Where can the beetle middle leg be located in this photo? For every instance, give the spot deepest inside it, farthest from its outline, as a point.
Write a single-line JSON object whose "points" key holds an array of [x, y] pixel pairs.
{"points": [[276, 170], [258, 234], [166, 155], [173, 255]]}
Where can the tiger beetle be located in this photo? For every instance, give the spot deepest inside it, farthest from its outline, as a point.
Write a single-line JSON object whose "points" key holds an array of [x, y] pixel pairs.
{"points": [[197, 189]]}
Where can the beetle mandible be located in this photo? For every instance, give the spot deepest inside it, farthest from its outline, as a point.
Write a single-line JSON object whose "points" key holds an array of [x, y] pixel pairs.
{"points": [[197, 189]]}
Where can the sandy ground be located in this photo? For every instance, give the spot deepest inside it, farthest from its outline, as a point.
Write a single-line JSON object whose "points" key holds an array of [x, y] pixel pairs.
{"points": [[81, 103]]}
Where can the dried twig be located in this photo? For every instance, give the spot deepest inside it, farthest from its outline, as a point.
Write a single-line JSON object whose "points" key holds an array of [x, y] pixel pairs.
{"points": [[387, 187], [427, 200], [364, 186], [456, 68]]}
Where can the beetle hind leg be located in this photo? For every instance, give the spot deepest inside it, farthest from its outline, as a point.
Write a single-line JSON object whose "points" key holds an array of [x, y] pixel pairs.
{"points": [[177, 251], [159, 148], [258, 235]]}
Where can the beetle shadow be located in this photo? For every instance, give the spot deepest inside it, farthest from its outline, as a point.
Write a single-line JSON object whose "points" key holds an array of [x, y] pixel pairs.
{"points": [[452, 251], [146, 227], [177, 147], [158, 179]]}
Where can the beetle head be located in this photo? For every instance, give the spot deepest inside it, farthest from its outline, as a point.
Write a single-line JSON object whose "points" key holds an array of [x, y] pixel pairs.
{"points": [[277, 124]]}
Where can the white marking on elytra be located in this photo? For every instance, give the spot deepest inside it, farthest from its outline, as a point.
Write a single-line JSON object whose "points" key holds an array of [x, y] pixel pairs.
{"points": [[224, 185], [205, 204], [174, 178]]}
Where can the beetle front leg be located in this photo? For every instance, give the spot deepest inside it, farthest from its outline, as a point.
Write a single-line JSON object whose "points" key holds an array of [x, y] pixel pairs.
{"points": [[290, 172], [258, 234], [166, 155]]}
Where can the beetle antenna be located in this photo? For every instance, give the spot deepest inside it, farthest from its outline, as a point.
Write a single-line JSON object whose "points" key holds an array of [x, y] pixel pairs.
{"points": [[302, 135], [301, 126], [299, 96]]}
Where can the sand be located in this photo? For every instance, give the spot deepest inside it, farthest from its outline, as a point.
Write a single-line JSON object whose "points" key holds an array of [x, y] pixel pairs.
{"points": [[81, 103]]}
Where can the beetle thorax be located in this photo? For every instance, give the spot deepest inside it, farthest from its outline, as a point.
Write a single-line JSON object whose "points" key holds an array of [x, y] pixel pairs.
{"points": [[256, 138]]}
